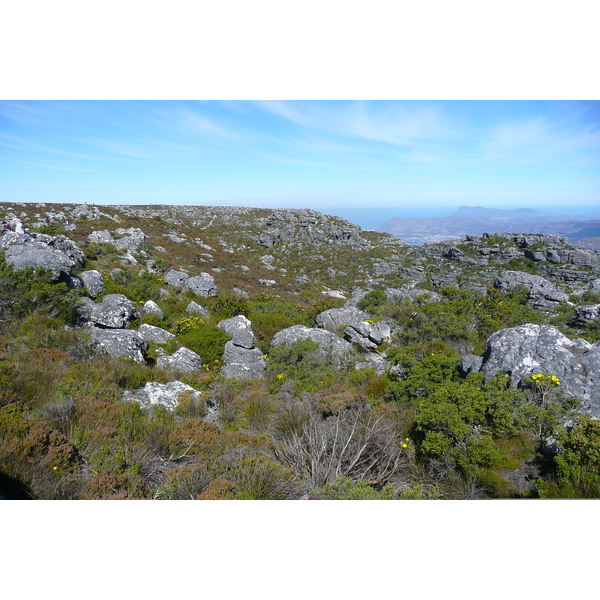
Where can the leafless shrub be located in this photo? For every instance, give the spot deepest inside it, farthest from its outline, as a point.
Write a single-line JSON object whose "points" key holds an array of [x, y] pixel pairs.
{"points": [[356, 443]]}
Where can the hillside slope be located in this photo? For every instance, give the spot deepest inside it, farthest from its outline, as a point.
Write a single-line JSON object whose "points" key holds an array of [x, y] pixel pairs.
{"points": [[223, 352]]}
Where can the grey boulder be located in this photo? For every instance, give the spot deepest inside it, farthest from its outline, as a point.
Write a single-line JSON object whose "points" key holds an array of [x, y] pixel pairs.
{"points": [[155, 334], [115, 311], [240, 330], [541, 293], [529, 349], [331, 346], [184, 360], [122, 343], [93, 282], [202, 285], [194, 307], [242, 363], [242, 360], [587, 314], [336, 319], [151, 308], [38, 255], [176, 278]]}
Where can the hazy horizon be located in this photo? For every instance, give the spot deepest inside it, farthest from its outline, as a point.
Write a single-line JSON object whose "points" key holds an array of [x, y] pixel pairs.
{"points": [[372, 160]]}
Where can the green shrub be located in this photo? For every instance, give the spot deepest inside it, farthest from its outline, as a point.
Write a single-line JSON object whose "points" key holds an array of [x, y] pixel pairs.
{"points": [[343, 488]]}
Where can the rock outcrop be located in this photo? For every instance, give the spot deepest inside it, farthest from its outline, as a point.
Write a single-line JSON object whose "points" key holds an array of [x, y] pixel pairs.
{"points": [[155, 334], [115, 311], [151, 308], [331, 346], [167, 395], [56, 254], [184, 360], [121, 343], [202, 285], [243, 360], [529, 349], [336, 319], [541, 293], [93, 282], [587, 314]]}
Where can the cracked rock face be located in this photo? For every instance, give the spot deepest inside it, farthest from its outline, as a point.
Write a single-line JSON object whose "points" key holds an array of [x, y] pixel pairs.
{"points": [[240, 329], [541, 293], [529, 349], [124, 343], [167, 395], [202, 285], [242, 363], [331, 346], [176, 278]]}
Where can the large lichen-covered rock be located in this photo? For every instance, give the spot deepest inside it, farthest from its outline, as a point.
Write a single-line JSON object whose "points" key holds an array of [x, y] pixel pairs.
{"points": [[122, 343], [115, 311], [331, 346], [541, 293], [184, 360], [101, 237], [131, 239], [529, 349], [22, 251], [167, 395], [93, 282], [335, 319]]}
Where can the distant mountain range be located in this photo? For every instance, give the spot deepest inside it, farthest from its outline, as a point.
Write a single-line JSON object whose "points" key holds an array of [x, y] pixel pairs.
{"points": [[475, 220]]}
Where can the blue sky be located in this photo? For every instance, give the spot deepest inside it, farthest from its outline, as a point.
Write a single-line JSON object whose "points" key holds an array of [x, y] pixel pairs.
{"points": [[365, 160]]}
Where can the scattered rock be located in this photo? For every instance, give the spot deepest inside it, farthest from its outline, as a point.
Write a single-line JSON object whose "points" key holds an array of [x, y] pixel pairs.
{"points": [[331, 346], [529, 349], [587, 314], [194, 307], [167, 395], [183, 360], [151, 308], [151, 333], [241, 357], [122, 343], [93, 282], [176, 278], [202, 285], [115, 311], [541, 293], [336, 319]]}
